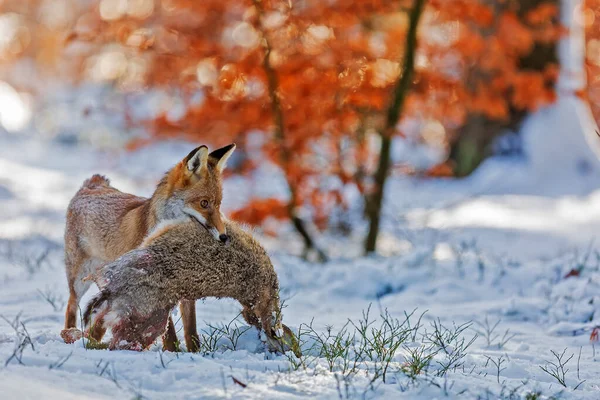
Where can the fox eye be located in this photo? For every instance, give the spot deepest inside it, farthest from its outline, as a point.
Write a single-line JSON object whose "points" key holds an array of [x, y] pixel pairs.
{"points": [[204, 203]]}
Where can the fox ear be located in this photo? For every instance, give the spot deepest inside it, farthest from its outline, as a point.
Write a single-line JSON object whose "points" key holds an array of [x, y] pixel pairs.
{"points": [[197, 159], [222, 155]]}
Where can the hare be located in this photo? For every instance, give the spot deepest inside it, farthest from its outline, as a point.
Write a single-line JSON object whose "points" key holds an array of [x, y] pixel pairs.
{"points": [[180, 262]]}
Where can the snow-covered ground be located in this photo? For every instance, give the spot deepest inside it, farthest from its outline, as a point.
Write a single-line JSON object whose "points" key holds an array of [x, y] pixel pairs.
{"points": [[496, 247]]}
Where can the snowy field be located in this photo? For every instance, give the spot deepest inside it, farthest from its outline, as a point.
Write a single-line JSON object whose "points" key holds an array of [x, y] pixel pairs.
{"points": [[502, 267]]}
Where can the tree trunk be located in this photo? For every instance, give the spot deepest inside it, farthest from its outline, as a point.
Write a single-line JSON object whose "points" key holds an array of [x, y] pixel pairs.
{"points": [[473, 142], [374, 200]]}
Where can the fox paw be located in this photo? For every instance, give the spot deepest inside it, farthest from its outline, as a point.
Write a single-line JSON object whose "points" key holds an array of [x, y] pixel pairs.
{"points": [[71, 335]]}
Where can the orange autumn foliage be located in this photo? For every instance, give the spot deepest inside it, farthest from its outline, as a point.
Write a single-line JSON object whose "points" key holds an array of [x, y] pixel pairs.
{"points": [[591, 21], [315, 78], [530, 91], [258, 210], [33, 39]]}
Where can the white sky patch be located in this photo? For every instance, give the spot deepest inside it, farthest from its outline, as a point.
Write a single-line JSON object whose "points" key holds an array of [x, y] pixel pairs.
{"points": [[15, 112]]}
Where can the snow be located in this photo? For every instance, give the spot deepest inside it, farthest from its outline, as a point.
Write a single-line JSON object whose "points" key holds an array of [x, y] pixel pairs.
{"points": [[511, 249], [495, 246]]}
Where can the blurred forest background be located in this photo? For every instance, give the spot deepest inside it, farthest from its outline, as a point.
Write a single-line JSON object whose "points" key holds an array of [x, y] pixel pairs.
{"points": [[337, 95]]}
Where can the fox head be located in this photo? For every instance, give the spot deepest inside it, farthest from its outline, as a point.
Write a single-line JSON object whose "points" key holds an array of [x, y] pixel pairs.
{"points": [[194, 188]]}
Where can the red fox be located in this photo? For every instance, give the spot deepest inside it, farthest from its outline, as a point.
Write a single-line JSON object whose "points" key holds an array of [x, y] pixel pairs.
{"points": [[103, 223]]}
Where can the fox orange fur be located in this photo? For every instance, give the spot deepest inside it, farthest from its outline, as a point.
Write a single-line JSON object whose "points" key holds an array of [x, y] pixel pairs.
{"points": [[103, 223]]}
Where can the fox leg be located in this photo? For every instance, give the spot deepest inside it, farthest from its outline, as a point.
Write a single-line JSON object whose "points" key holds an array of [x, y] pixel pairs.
{"points": [[75, 273], [190, 331], [76, 291], [71, 313]]}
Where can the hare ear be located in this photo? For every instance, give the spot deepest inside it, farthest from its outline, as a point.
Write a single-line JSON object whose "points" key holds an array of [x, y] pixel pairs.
{"points": [[222, 155], [197, 159]]}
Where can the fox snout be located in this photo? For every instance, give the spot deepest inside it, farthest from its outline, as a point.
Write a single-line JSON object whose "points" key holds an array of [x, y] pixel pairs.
{"points": [[216, 226], [220, 234], [213, 222]]}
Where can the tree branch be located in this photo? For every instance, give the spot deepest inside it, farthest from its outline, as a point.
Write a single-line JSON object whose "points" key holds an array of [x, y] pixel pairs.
{"points": [[284, 152]]}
